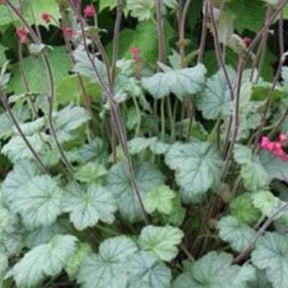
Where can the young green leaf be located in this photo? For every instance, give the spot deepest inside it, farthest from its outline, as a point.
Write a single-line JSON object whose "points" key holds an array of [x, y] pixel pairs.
{"points": [[43, 261], [252, 171], [237, 234], [162, 241], [35, 69], [160, 198], [109, 267], [243, 209], [246, 20], [198, 167], [87, 207], [147, 177], [141, 9], [147, 271], [91, 173], [254, 175], [111, 4], [39, 203], [271, 255], [76, 259], [215, 270]]}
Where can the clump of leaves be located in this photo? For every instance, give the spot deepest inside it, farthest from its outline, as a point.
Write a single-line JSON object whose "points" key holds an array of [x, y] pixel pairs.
{"points": [[135, 158]]}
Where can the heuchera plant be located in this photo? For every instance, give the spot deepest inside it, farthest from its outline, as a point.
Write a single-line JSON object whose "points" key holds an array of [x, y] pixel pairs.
{"points": [[143, 144]]}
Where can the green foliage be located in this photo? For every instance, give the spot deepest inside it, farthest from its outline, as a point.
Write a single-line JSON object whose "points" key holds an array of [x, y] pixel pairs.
{"points": [[160, 199], [147, 177], [35, 71], [271, 255], [87, 207], [39, 203], [44, 261], [144, 32], [245, 19], [107, 269], [76, 259], [161, 241], [214, 102], [142, 167], [215, 270], [243, 209], [141, 9], [181, 83], [147, 271], [238, 235], [252, 171], [197, 167]]}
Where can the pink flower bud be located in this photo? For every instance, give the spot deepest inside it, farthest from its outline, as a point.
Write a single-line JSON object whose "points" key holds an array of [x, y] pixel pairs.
{"points": [[270, 146], [247, 41], [46, 17], [68, 32], [22, 35], [134, 51], [89, 11], [136, 54], [264, 142], [277, 145], [283, 138], [278, 153]]}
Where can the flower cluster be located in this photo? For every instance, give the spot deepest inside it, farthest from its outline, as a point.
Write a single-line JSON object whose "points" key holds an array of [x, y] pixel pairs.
{"points": [[276, 147]]}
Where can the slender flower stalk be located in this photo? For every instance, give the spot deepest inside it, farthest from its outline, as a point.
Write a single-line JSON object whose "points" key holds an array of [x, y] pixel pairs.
{"points": [[116, 116], [15, 122], [160, 30], [50, 97]]}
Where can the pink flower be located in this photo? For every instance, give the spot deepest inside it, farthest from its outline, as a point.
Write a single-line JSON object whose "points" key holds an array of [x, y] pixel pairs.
{"points": [[275, 147], [3, 2], [278, 152], [68, 32], [89, 11], [46, 17], [22, 35], [264, 142]]}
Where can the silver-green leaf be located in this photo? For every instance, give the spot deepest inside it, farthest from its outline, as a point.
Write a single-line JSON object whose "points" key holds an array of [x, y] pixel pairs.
{"points": [[88, 206], [197, 165]]}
